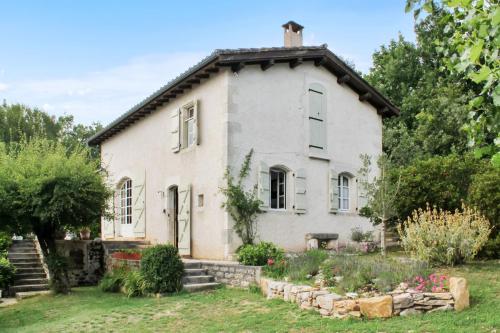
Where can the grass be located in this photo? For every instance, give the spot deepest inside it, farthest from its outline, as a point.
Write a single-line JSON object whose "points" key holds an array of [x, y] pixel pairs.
{"points": [[232, 310]]}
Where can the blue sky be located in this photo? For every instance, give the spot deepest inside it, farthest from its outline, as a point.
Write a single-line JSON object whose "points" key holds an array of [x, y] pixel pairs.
{"points": [[96, 59]]}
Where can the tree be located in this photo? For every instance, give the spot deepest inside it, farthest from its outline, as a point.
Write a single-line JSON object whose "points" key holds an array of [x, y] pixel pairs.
{"points": [[45, 189], [381, 192], [242, 205], [470, 48]]}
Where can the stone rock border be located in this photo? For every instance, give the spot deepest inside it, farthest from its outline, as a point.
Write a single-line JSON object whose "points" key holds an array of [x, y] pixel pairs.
{"points": [[399, 302]]}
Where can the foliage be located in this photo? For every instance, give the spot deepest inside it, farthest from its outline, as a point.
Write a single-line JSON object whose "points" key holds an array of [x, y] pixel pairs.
{"points": [[258, 254], [47, 189], [491, 250], [134, 284], [7, 272], [162, 269], [113, 281], [381, 191], [58, 268], [444, 238], [471, 48], [441, 181], [369, 272], [5, 243], [242, 205], [298, 266], [357, 235]]}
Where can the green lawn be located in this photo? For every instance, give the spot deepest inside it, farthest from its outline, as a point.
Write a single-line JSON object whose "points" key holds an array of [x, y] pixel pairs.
{"points": [[233, 310]]}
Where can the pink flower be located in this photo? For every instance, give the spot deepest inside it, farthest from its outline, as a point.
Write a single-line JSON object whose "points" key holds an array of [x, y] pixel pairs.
{"points": [[270, 262]]}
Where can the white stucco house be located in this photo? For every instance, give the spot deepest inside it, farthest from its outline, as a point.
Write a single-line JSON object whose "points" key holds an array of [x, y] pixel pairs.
{"points": [[307, 115]]}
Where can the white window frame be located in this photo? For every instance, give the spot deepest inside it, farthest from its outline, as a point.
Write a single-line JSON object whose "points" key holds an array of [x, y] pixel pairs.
{"points": [[284, 193], [126, 202], [344, 196], [188, 122]]}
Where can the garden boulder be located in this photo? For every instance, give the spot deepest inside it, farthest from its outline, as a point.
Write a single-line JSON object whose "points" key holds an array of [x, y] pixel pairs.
{"points": [[460, 292], [376, 307]]}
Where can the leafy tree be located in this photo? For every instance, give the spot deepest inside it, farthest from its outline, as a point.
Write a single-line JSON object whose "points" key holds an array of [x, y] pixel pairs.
{"points": [[45, 188], [242, 205], [382, 193], [470, 48]]}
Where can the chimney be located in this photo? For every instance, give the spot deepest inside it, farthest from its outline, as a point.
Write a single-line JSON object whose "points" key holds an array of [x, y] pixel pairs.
{"points": [[293, 34]]}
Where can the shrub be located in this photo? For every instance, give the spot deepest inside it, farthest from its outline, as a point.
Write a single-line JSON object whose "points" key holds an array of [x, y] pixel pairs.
{"points": [[442, 237], [59, 279], [134, 284], [162, 269], [357, 235], [7, 272], [258, 254], [5, 243], [113, 281], [491, 250]]}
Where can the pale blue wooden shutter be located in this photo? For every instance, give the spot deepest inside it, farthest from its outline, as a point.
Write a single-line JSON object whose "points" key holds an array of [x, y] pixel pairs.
{"points": [[139, 205], [196, 127], [184, 220], [263, 185], [300, 202], [317, 117], [175, 131], [333, 191]]}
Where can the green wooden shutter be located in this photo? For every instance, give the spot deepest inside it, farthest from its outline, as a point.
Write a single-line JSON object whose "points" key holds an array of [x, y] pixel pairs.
{"points": [[175, 131], [139, 206], [333, 191], [263, 185], [300, 204]]}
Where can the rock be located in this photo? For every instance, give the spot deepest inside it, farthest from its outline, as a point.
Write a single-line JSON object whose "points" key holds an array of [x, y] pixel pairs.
{"points": [[326, 301], [402, 301], [355, 314], [409, 312], [376, 307], [338, 278], [345, 306], [312, 244], [317, 293], [418, 297], [286, 292], [351, 295], [439, 295], [264, 286], [403, 286], [460, 292], [324, 312], [331, 244], [305, 306], [447, 307]]}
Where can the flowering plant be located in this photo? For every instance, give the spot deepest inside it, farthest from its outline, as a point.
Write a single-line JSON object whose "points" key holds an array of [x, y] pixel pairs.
{"points": [[270, 261], [434, 283]]}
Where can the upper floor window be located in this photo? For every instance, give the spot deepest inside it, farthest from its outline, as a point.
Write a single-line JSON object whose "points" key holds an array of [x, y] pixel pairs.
{"points": [[184, 127], [317, 117], [343, 183], [188, 126], [278, 188], [126, 202]]}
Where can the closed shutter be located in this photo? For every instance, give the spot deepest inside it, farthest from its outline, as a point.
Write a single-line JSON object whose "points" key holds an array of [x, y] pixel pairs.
{"points": [[263, 185], [196, 127], [333, 191], [317, 117], [300, 205], [109, 222], [184, 221], [139, 206], [362, 197], [174, 131]]}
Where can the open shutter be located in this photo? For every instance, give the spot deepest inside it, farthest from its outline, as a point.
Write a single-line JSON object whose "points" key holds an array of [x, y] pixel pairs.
{"points": [[263, 185], [300, 205], [174, 131], [109, 223], [139, 206], [362, 197], [317, 117], [333, 191], [196, 127], [184, 221]]}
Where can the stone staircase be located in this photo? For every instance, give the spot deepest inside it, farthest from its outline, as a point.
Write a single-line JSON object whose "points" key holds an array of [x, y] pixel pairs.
{"points": [[30, 275], [196, 278]]}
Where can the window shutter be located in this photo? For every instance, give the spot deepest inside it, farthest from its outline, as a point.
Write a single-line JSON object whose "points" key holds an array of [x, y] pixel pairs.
{"points": [[362, 197], [263, 185], [196, 128], [333, 191], [317, 117], [109, 223], [139, 206], [300, 205], [184, 221], [174, 131]]}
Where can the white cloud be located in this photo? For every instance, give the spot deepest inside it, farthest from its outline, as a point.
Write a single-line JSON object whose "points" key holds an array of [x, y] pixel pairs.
{"points": [[101, 95]]}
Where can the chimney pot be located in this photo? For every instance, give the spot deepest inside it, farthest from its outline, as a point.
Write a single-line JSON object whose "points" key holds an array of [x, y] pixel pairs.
{"points": [[293, 34]]}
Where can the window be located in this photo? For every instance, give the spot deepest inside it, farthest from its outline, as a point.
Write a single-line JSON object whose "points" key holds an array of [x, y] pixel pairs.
{"points": [[189, 126], [201, 200], [343, 193], [126, 202], [317, 117], [278, 188]]}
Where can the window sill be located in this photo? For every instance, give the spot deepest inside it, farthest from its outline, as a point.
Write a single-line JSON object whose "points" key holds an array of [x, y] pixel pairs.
{"points": [[317, 156], [187, 149]]}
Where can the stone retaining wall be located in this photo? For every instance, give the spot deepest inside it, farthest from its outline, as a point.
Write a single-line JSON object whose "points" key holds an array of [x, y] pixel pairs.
{"points": [[86, 260], [232, 273], [112, 263], [400, 302]]}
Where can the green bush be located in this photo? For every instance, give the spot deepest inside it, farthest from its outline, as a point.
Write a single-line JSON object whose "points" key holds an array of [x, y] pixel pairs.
{"points": [[5, 243], [297, 267], [59, 278], [113, 281], [491, 250], [258, 254], [7, 272], [134, 284], [162, 269]]}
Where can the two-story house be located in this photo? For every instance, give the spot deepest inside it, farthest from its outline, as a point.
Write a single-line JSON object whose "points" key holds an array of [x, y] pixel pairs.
{"points": [[307, 115]]}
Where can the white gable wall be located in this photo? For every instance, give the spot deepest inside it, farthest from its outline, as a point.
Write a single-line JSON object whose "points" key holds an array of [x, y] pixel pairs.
{"points": [[269, 112]]}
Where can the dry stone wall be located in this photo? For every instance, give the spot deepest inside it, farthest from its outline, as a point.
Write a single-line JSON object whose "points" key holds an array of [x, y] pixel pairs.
{"points": [[86, 260], [232, 274]]}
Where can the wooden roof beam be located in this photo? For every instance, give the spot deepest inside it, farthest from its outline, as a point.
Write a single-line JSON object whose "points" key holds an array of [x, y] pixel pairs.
{"points": [[212, 70], [202, 76], [267, 64], [343, 79], [238, 66], [365, 96], [383, 110], [295, 62], [319, 61], [193, 81]]}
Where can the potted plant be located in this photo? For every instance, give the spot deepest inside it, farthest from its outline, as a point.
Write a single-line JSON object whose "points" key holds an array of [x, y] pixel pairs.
{"points": [[85, 233]]}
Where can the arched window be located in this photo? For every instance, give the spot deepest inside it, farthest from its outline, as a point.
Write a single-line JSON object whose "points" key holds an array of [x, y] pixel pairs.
{"points": [[278, 188], [126, 202], [343, 184]]}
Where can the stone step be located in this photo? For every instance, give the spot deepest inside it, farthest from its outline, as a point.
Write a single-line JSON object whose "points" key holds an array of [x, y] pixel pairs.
{"points": [[192, 265], [36, 281], [28, 287], [32, 261], [37, 275], [197, 279], [23, 249], [28, 294], [28, 255], [22, 265], [30, 270], [195, 271], [200, 286]]}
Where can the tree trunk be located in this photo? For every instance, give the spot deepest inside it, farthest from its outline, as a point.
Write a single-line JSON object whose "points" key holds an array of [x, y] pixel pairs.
{"points": [[382, 237]]}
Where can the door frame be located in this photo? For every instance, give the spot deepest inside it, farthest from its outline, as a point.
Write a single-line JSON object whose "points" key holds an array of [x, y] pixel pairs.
{"points": [[172, 213]]}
